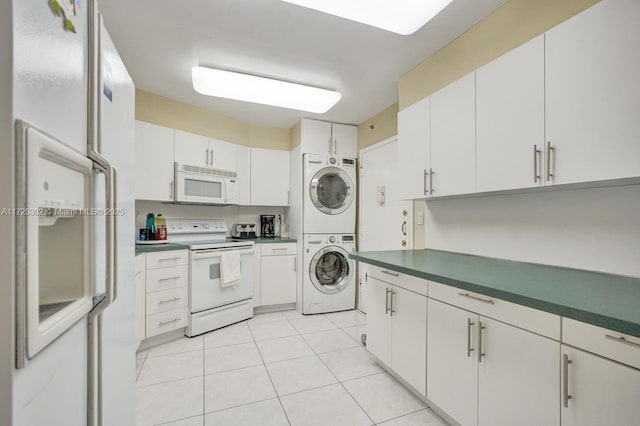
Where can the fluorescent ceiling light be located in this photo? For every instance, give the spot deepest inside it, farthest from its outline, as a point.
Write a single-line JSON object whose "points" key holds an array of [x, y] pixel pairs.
{"points": [[261, 90], [399, 16]]}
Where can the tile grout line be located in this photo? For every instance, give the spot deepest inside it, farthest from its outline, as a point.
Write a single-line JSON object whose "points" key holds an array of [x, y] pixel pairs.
{"points": [[404, 415]]}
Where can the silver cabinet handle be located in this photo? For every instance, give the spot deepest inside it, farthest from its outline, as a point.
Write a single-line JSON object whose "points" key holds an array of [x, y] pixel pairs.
{"points": [[622, 340], [431, 174], [393, 294], [162, 302], [288, 199], [168, 258], [393, 274], [295, 264], [211, 154], [480, 353], [171, 194], [565, 380], [162, 324], [479, 299], [536, 175], [169, 279], [469, 348], [549, 150], [424, 181], [279, 249], [206, 156], [386, 301]]}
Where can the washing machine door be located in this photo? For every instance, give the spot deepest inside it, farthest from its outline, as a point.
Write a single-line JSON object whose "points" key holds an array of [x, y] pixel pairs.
{"points": [[330, 270], [331, 190]]}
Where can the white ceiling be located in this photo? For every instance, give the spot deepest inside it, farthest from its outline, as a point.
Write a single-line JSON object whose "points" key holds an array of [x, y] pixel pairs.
{"points": [[160, 40]]}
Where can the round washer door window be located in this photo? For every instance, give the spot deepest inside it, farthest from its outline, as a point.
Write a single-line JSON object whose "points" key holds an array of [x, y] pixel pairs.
{"points": [[330, 270], [331, 190]]}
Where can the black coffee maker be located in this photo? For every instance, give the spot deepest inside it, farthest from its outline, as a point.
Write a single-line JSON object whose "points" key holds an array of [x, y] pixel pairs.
{"points": [[267, 226]]}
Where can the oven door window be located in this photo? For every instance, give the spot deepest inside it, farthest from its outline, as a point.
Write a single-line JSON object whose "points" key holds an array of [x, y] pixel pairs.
{"points": [[202, 188]]}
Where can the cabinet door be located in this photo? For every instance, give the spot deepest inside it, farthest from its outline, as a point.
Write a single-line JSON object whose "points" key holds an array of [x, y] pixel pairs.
{"points": [[453, 138], [243, 155], [154, 162], [269, 177], [409, 337], [278, 280], [414, 143], [378, 320], [593, 95], [140, 307], [518, 374], [602, 392], [316, 137], [192, 149], [223, 155], [452, 379], [345, 139], [510, 119]]}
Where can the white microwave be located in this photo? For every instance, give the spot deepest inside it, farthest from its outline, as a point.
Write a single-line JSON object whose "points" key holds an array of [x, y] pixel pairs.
{"points": [[203, 185]]}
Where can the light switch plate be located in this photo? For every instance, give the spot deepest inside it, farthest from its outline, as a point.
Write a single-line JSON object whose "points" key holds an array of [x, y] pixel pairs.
{"points": [[420, 218]]}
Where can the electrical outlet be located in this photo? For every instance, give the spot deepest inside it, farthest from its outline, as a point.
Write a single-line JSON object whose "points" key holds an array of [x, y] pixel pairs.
{"points": [[420, 218]]}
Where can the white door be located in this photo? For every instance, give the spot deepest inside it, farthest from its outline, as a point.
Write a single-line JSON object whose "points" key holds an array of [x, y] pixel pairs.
{"points": [[452, 380], [316, 137], [453, 138], [510, 119], [223, 155], [602, 392], [414, 145], [154, 162], [278, 280], [379, 320], [518, 374], [384, 225], [593, 95], [345, 139], [192, 149], [269, 177], [243, 158], [409, 337]]}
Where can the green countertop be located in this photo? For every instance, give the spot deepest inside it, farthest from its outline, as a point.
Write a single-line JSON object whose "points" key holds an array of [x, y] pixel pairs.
{"points": [[605, 300], [143, 248]]}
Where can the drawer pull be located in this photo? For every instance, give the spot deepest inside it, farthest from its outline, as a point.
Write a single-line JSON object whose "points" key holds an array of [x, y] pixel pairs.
{"points": [[280, 249], [393, 274], [469, 348], [392, 307], [168, 259], [162, 324], [162, 302], [386, 301], [170, 278], [622, 340], [479, 299], [565, 380], [480, 353]]}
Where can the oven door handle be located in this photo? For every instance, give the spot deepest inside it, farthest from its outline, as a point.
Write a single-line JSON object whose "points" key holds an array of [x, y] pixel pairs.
{"points": [[214, 254]]}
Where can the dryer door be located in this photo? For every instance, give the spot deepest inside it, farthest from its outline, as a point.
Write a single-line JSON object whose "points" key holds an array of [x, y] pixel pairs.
{"points": [[330, 270], [331, 190]]}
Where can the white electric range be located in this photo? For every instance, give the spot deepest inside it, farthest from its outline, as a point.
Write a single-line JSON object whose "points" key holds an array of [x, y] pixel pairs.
{"points": [[211, 303]]}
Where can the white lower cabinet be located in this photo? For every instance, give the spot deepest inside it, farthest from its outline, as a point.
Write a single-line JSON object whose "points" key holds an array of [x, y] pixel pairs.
{"points": [[397, 330], [140, 298], [597, 391], [484, 372], [275, 274]]}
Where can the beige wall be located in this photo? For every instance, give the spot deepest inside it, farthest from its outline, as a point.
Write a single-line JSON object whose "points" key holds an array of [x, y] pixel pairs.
{"points": [[163, 111], [296, 134], [511, 25], [379, 127]]}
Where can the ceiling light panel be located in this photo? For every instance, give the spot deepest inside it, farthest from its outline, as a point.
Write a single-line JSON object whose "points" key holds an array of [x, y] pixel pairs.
{"points": [[399, 16], [261, 90]]}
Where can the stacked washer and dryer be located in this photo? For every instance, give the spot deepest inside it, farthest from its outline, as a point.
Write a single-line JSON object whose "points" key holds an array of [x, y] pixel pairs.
{"points": [[327, 223]]}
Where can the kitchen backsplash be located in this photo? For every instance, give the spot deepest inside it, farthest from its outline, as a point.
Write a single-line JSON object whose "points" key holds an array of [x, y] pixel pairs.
{"points": [[230, 214]]}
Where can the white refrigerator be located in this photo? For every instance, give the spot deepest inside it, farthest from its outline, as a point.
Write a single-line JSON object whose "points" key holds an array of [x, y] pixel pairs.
{"points": [[67, 337]]}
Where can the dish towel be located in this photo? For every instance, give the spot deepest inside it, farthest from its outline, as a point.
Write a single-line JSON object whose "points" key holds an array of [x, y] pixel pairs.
{"points": [[230, 272]]}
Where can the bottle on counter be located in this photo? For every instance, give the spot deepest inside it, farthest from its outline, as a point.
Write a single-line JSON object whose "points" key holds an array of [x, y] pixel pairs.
{"points": [[151, 226], [161, 226], [276, 226]]}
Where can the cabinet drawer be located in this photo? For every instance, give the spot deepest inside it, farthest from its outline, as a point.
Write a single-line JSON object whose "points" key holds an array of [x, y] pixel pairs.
{"points": [[277, 249], [166, 278], [167, 300], [408, 282], [601, 341], [140, 263], [166, 259], [520, 316], [167, 321]]}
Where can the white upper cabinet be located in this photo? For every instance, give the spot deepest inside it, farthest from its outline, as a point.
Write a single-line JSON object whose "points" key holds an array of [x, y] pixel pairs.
{"points": [[453, 138], [593, 94], [321, 137], [192, 149], [154, 162], [223, 155], [269, 177], [413, 150], [510, 119], [243, 156]]}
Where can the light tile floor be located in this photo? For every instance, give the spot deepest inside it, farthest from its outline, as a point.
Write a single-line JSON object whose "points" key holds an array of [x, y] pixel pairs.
{"points": [[275, 369]]}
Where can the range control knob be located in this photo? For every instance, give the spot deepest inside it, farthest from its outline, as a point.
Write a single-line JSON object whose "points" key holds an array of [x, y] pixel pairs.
{"points": [[332, 239]]}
